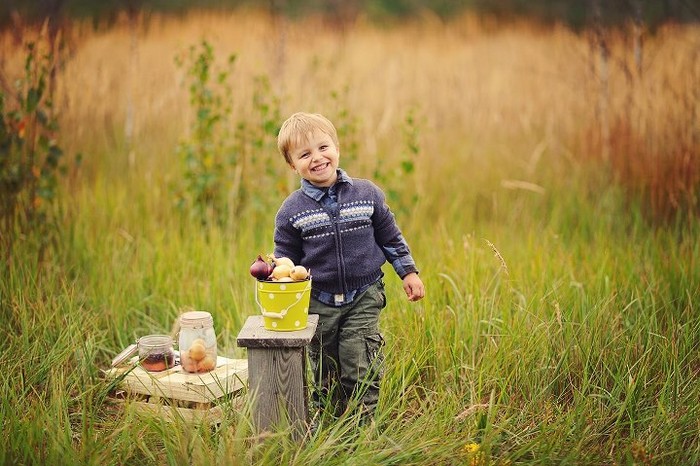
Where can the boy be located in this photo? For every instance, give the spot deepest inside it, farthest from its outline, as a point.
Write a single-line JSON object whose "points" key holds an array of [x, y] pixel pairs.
{"points": [[342, 230]]}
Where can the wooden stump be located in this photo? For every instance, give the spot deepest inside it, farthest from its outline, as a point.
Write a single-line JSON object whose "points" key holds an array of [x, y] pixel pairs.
{"points": [[277, 374]]}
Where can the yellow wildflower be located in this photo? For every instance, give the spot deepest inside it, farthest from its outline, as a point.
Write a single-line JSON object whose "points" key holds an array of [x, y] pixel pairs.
{"points": [[475, 455], [471, 448]]}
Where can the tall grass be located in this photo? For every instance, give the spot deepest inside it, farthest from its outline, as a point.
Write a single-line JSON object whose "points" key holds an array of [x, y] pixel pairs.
{"points": [[559, 327]]}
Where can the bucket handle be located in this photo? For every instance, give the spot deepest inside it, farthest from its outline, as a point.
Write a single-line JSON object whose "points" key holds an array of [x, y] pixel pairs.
{"points": [[281, 314]]}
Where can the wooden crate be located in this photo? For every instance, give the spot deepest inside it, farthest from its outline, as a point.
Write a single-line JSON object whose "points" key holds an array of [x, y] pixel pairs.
{"points": [[175, 392]]}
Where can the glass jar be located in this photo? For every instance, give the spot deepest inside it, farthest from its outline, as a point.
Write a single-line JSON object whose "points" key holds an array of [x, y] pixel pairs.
{"points": [[156, 352], [197, 342]]}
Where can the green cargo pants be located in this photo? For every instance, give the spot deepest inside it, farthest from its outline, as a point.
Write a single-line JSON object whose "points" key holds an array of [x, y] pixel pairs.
{"points": [[346, 352]]}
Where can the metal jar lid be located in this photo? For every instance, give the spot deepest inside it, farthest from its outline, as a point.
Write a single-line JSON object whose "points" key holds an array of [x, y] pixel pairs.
{"points": [[126, 355], [196, 319]]}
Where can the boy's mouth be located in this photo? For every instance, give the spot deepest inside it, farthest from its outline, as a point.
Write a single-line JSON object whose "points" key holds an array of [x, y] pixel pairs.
{"points": [[321, 167]]}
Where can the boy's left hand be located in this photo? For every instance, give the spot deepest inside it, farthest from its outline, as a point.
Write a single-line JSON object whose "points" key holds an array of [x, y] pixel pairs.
{"points": [[413, 286]]}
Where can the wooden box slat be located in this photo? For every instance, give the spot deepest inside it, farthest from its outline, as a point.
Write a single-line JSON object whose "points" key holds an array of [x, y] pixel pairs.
{"points": [[206, 412], [230, 375]]}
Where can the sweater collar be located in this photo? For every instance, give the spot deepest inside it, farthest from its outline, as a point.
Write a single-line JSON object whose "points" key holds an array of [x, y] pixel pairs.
{"points": [[316, 193]]}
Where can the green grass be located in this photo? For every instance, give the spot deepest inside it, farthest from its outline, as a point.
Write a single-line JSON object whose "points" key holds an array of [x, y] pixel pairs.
{"points": [[559, 327], [578, 345]]}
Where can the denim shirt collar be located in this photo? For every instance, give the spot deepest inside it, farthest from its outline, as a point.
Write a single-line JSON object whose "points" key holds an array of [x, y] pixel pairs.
{"points": [[316, 193]]}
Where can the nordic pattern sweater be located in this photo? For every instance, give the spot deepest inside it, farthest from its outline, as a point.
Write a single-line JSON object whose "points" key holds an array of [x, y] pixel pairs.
{"points": [[345, 247]]}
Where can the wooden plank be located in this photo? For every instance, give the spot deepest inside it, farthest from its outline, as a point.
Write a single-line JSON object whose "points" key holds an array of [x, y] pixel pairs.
{"points": [[171, 413], [205, 413], [277, 386], [229, 376], [255, 335]]}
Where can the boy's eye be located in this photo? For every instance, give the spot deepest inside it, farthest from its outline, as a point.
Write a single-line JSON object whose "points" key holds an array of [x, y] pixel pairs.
{"points": [[304, 155], [323, 147]]}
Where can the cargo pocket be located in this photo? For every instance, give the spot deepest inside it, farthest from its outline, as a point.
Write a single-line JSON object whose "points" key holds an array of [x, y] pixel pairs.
{"points": [[375, 355], [380, 294]]}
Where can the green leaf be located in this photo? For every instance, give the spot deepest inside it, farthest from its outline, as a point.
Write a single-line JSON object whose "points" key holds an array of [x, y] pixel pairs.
{"points": [[33, 98]]}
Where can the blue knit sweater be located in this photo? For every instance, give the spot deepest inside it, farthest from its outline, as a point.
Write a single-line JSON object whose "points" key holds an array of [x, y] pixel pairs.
{"points": [[344, 247]]}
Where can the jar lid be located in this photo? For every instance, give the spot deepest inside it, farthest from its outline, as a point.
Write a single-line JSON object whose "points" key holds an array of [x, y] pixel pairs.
{"points": [[155, 341], [196, 319], [125, 355]]}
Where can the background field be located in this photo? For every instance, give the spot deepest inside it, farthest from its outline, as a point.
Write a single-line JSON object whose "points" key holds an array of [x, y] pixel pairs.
{"points": [[552, 211]]}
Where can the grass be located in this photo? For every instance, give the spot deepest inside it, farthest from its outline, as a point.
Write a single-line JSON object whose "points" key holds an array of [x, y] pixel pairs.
{"points": [[560, 326]]}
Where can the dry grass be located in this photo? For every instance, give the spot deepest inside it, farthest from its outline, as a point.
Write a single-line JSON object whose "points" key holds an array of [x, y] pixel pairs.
{"points": [[654, 120], [484, 92]]}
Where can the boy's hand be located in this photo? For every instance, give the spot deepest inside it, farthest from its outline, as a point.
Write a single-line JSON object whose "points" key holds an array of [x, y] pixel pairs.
{"points": [[413, 286]]}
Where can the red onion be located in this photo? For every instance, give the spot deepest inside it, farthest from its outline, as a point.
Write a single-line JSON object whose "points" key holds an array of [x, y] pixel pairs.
{"points": [[260, 269]]}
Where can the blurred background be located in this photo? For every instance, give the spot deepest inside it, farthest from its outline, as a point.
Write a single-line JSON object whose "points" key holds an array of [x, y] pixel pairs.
{"points": [[571, 12]]}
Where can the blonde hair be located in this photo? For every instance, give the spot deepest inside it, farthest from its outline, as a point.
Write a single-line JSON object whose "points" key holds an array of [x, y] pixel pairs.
{"points": [[298, 127]]}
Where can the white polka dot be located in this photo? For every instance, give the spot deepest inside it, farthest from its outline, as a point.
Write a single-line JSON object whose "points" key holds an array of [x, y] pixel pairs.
{"points": [[298, 295], [306, 310], [271, 296], [260, 286], [283, 287], [297, 323], [274, 324]]}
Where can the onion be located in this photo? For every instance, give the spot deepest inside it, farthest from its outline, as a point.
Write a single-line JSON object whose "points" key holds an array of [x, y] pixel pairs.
{"points": [[260, 269]]}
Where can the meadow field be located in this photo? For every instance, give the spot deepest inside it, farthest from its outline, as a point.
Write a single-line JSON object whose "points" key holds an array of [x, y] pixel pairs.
{"points": [[549, 199]]}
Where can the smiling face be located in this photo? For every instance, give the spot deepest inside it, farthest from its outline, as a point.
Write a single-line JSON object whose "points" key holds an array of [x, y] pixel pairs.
{"points": [[315, 158]]}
